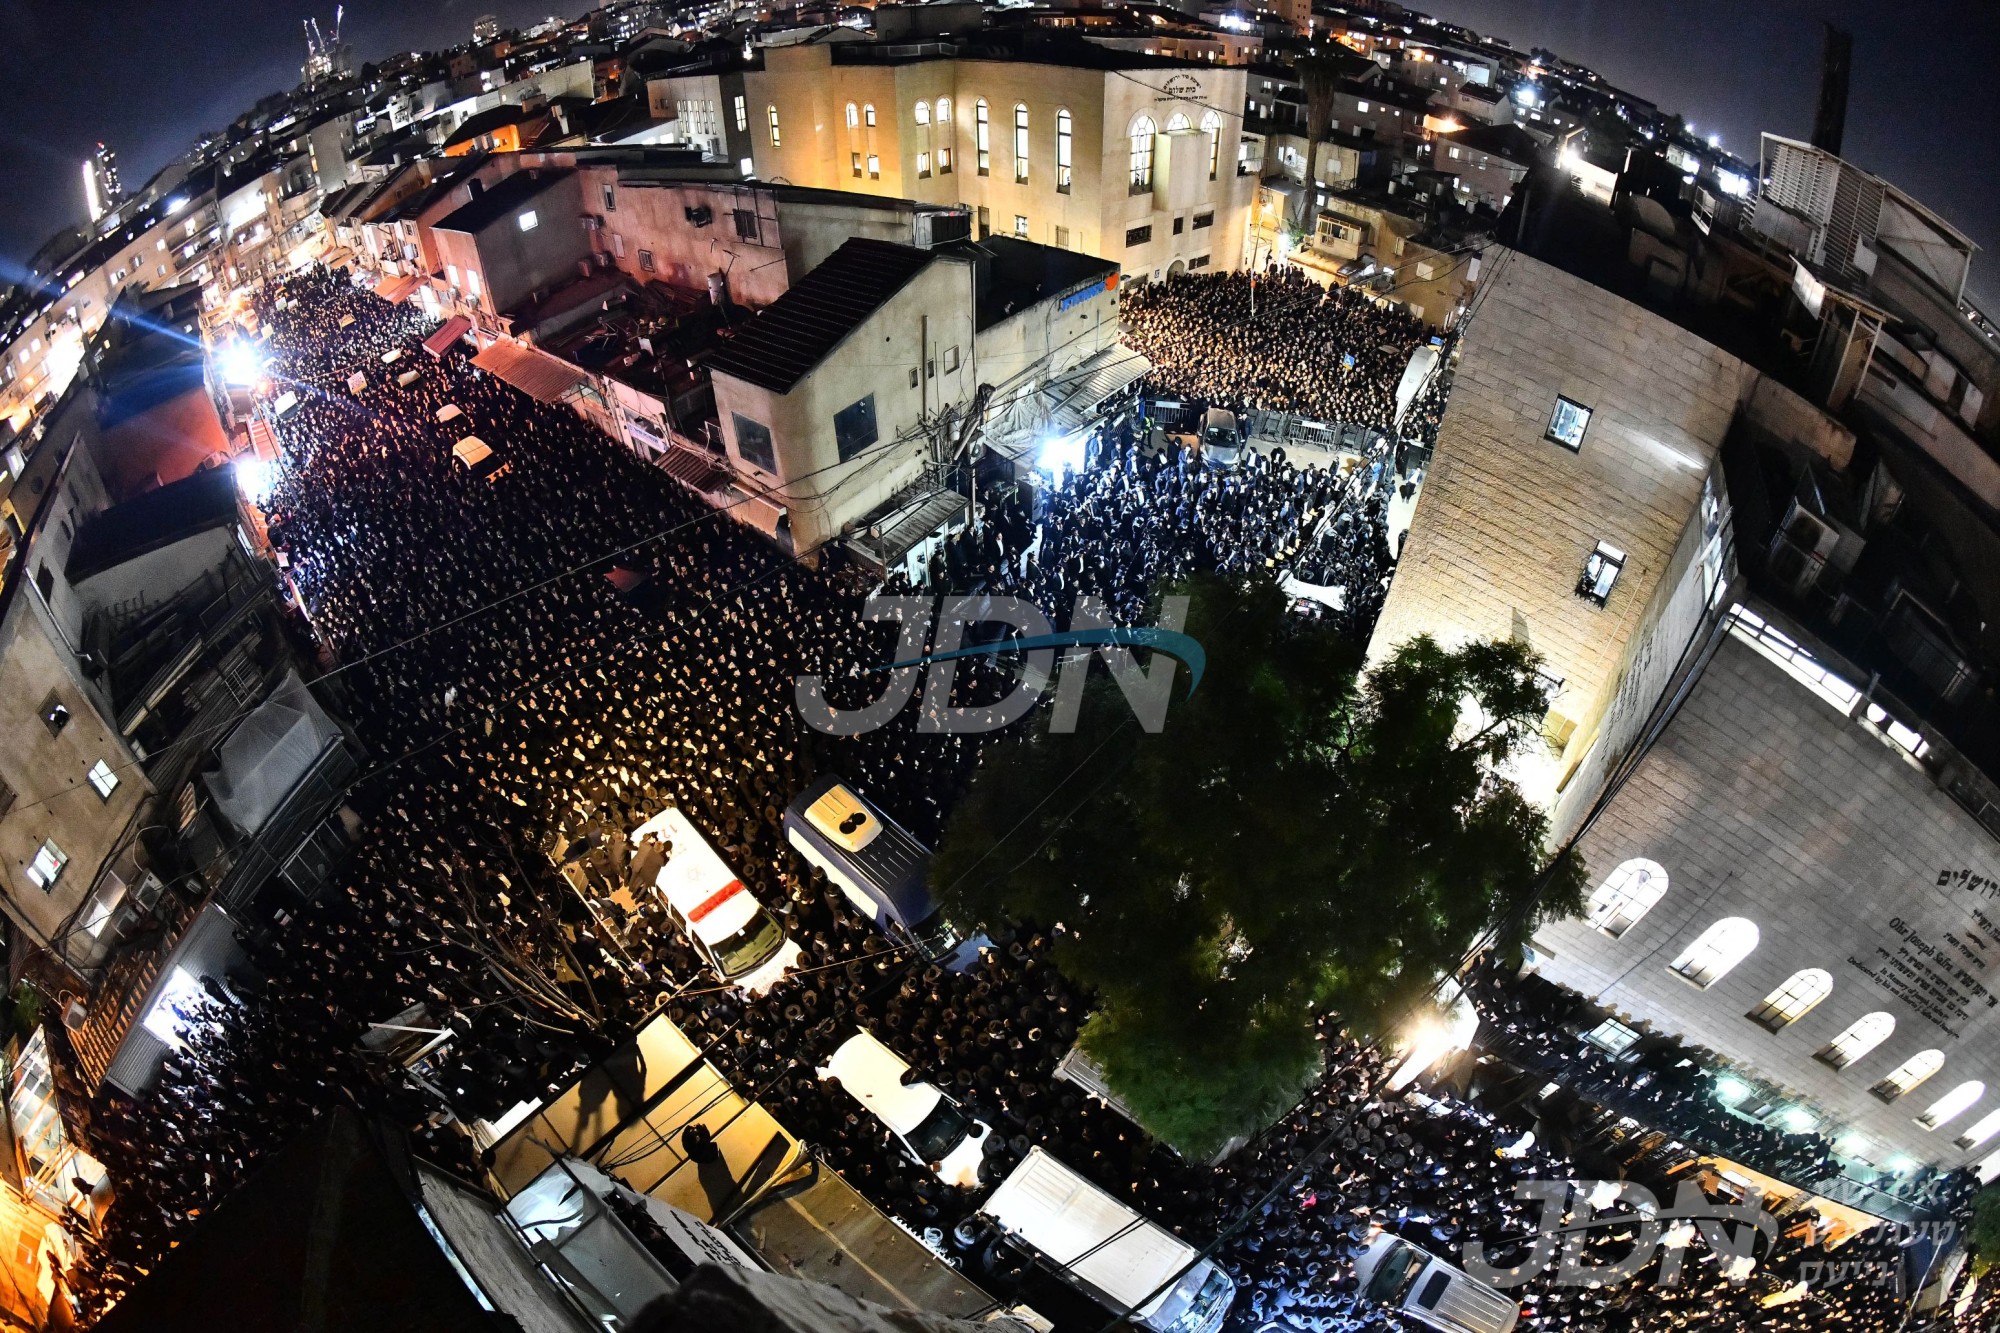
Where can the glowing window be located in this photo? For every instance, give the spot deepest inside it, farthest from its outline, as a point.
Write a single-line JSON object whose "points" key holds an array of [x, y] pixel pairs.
{"points": [[923, 113], [1140, 143], [1626, 896], [103, 779], [771, 118], [1064, 131], [1908, 1074], [47, 867], [944, 111], [527, 221], [981, 136], [1719, 948], [1863, 1035], [1980, 1130], [853, 115], [1020, 141], [1787, 1004], [1952, 1103]]}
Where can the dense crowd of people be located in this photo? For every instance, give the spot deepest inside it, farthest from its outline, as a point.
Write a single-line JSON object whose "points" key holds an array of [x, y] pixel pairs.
{"points": [[541, 661], [1274, 341]]}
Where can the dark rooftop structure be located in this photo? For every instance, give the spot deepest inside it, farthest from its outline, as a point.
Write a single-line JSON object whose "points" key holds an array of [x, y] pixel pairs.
{"points": [[1508, 142], [153, 520], [777, 348], [324, 1234], [502, 199], [153, 352], [1015, 274]]}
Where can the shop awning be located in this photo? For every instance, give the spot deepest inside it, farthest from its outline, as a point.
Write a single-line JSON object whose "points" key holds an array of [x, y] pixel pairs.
{"points": [[397, 289], [1078, 391], [448, 333], [338, 257], [544, 378]]}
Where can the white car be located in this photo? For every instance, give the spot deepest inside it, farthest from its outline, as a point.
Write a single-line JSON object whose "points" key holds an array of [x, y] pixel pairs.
{"points": [[731, 930], [929, 1125], [1414, 1282]]}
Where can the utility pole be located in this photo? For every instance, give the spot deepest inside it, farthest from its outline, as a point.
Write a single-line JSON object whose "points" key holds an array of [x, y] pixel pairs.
{"points": [[966, 440]]}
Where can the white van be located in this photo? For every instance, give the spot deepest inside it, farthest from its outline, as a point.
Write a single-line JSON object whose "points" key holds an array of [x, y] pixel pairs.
{"points": [[1112, 1254], [929, 1125], [729, 927], [1414, 1282]]}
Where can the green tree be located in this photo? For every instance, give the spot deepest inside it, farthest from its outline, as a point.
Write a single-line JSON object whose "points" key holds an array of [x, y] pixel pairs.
{"points": [[1986, 1228], [1298, 838]]}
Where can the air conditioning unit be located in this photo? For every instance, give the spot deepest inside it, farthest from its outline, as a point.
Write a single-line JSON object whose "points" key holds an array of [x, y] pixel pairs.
{"points": [[700, 215], [74, 1015], [1799, 550]]}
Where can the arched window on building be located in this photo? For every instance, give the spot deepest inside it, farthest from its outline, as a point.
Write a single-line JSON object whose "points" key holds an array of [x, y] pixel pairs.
{"points": [[1064, 132], [1980, 1130], [1787, 1004], [1958, 1100], [1140, 137], [1020, 141], [868, 114], [982, 143], [944, 111], [923, 113], [1863, 1035], [853, 115], [1719, 948], [1177, 121], [1626, 895], [1211, 125], [1908, 1074], [771, 118]]}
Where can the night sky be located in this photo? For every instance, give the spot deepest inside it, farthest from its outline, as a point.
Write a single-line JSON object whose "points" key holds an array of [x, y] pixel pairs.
{"points": [[146, 76]]}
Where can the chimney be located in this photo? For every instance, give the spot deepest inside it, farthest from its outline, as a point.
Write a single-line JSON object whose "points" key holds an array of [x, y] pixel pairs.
{"points": [[1830, 120]]}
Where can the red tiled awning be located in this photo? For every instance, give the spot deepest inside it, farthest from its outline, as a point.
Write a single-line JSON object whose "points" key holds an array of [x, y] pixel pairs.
{"points": [[397, 289], [545, 378], [448, 333]]}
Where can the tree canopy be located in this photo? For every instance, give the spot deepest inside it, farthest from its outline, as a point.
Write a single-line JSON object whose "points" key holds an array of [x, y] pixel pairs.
{"points": [[1299, 838]]}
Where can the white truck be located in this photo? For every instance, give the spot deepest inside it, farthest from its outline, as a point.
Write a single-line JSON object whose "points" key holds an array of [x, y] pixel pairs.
{"points": [[1416, 1283], [1106, 1250]]}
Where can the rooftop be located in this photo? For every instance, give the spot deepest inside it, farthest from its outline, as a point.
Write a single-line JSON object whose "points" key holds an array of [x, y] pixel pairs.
{"points": [[502, 199], [153, 520], [1017, 274], [788, 338]]}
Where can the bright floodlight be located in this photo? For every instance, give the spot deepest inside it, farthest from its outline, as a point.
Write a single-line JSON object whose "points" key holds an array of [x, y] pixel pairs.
{"points": [[242, 364], [255, 477], [1060, 453]]}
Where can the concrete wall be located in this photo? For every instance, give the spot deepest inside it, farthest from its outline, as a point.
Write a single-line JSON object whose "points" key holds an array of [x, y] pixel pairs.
{"points": [[822, 493], [1763, 801], [513, 262], [1507, 518]]}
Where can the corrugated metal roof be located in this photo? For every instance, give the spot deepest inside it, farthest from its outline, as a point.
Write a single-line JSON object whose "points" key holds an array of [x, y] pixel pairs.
{"points": [[544, 378], [783, 342], [447, 333]]}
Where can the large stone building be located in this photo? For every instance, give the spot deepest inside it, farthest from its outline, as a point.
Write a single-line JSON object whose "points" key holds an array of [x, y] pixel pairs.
{"points": [[1771, 734], [1046, 138]]}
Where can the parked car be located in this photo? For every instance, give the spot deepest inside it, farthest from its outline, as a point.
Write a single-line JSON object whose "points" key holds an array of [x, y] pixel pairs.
{"points": [[741, 941], [1413, 1282], [932, 1128], [476, 456]]}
